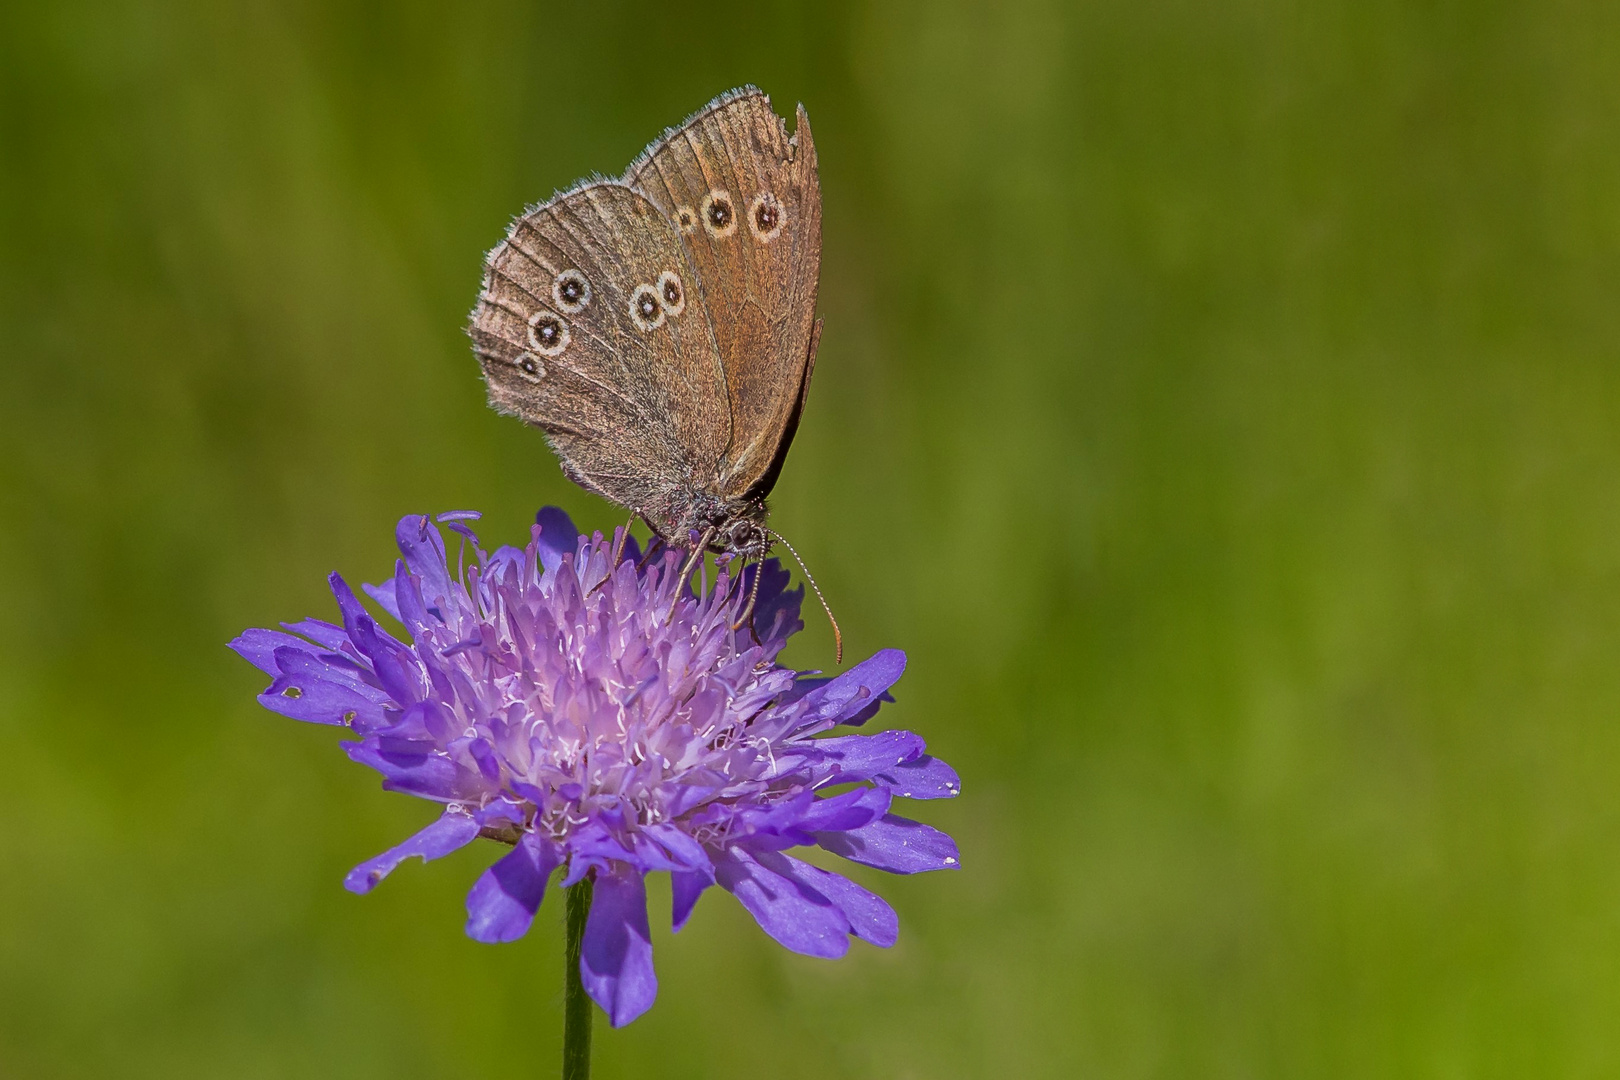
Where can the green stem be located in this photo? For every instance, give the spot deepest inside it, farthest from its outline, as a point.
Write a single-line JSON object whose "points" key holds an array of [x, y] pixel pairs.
{"points": [[576, 1005]]}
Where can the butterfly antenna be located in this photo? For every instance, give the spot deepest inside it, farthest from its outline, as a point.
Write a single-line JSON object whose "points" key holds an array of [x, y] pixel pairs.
{"points": [[838, 636]]}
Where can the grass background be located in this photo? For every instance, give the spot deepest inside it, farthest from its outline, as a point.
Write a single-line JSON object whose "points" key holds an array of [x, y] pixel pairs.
{"points": [[1218, 402]]}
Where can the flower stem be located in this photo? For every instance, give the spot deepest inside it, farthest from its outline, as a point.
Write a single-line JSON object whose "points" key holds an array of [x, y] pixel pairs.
{"points": [[576, 1005]]}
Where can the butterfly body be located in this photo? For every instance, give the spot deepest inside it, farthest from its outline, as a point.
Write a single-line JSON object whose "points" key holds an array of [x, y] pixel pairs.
{"points": [[660, 328]]}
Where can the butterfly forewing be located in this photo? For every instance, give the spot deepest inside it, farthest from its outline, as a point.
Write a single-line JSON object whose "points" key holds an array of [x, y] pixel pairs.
{"points": [[590, 325], [745, 200]]}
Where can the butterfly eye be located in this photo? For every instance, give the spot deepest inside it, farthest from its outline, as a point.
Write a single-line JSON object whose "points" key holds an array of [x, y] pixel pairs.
{"points": [[531, 367], [719, 217], [548, 334], [571, 291], [645, 309], [765, 217], [670, 292]]}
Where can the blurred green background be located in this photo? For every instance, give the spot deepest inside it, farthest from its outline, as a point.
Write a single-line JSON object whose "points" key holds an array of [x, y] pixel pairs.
{"points": [[1220, 403]]}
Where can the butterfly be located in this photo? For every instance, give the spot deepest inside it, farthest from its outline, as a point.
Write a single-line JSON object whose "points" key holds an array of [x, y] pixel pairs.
{"points": [[660, 327]]}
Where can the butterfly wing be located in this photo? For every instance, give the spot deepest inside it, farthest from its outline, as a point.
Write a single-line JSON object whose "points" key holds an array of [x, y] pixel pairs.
{"points": [[584, 328], [744, 197]]}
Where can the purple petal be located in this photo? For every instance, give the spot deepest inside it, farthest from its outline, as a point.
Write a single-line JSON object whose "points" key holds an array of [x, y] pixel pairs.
{"points": [[845, 811], [422, 548], [615, 957], [770, 826], [593, 841], [316, 692], [853, 691], [503, 901], [557, 537], [771, 586], [327, 635], [483, 754], [409, 607], [896, 844], [580, 867], [804, 684], [258, 647], [650, 856], [452, 831], [349, 605], [925, 778], [861, 756], [394, 664], [384, 595], [500, 812], [894, 759], [795, 914], [685, 888], [506, 559], [870, 917], [411, 767], [425, 721], [396, 667], [687, 853], [776, 611]]}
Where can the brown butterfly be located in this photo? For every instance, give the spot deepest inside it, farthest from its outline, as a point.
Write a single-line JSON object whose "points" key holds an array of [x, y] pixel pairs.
{"points": [[661, 329]]}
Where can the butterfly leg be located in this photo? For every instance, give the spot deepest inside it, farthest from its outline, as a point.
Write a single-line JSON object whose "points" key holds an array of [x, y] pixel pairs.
{"points": [[618, 551], [653, 545], [618, 548], [747, 615], [734, 582], [686, 571]]}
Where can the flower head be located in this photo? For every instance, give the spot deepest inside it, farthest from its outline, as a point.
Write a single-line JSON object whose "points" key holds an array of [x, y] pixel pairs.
{"points": [[603, 718]]}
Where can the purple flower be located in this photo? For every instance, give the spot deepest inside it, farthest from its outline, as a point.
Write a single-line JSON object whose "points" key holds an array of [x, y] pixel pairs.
{"points": [[553, 700]]}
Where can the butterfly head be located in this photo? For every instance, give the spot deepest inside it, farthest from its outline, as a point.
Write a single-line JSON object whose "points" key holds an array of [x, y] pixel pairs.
{"points": [[717, 523], [736, 527], [743, 535]]}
